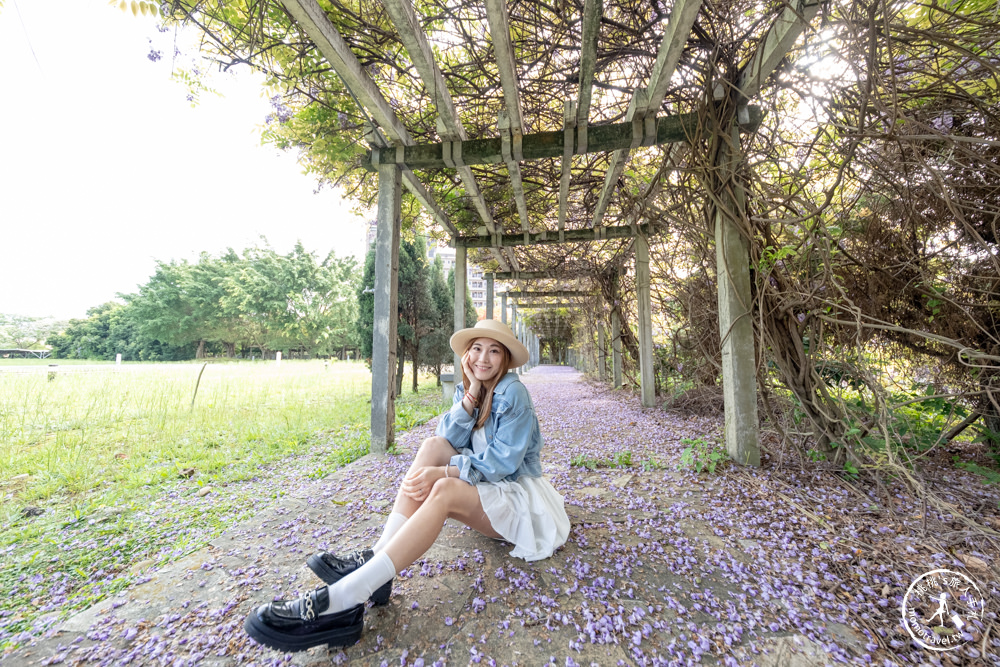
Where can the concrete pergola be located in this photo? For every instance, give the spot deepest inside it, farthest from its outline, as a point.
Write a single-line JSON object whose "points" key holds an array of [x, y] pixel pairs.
{"points": [[396, 157]]}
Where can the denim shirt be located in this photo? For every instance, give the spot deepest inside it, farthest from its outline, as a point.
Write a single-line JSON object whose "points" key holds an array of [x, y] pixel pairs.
{"points": [[513, 438]]}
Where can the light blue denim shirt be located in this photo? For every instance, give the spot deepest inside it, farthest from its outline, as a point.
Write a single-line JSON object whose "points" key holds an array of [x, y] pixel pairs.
{"points": [[513, 438]]}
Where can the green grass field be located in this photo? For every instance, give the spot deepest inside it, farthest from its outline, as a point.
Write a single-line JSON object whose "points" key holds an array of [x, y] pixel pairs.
{"points": [[106, 474]]}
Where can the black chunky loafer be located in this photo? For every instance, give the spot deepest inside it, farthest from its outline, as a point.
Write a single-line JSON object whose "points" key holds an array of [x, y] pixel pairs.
{"points": [[331, 569], [296, 625]]}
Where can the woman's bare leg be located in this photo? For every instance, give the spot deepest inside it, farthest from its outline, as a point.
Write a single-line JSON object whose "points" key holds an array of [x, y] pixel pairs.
{"points": [[434, 451], [450, 498]]}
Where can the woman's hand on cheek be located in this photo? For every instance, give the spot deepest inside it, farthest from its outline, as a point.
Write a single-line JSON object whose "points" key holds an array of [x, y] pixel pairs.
{"points": [[474, 384]]}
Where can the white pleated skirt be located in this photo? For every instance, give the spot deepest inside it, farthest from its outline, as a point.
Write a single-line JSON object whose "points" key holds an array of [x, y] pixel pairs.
{"points": [[528, 513]]}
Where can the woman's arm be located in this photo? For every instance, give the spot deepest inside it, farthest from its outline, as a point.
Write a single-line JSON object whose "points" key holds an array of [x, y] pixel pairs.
{"points": [[505, 454], [456, 425]]}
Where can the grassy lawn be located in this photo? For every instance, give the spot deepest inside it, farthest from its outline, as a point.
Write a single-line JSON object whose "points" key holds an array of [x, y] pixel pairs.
{"points": [[105, 475]]}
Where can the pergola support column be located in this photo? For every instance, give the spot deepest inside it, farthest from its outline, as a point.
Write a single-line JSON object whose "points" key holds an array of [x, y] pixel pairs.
{"points": [[514, 324], [616, 340], [461, 278], [739, 381], [503, 307], [383, 412], [489, 296], [602, 353], [642, 280]]}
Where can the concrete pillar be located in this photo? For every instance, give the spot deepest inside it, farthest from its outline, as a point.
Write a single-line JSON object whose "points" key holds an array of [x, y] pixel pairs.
{"points": [[514, 324], [503, 307], [383, 413], [461, 282], [647, 380], [489, 296], [602, 353], [732, 265], [616, 342]]}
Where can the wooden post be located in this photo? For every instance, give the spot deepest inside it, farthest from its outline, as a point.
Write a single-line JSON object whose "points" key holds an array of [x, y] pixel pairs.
{"points": [[602, 353], [461, 280], [383, 415], [489, 296], [732, 259], [646, 377], [513, 325], [616, 341]]}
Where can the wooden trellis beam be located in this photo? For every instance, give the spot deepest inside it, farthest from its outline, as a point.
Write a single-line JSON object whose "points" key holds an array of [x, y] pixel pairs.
{"points": [[511, 123], [553, 274], [592, 12], [321, 31], [661, 130], [577, 113], [780, 37], [550, 306], [646, 102], [404, 17], [521, 294], [550, 237]]}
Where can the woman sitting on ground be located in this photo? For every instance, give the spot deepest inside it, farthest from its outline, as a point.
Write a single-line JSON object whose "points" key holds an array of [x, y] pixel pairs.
{"points": [[482, 468]]}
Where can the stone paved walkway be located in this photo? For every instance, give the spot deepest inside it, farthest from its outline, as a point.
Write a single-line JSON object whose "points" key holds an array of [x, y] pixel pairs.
{"points": [[649, 575]]}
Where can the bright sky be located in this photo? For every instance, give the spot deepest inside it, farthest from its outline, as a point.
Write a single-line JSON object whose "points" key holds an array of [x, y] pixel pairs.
{"points": [[105, 166]]}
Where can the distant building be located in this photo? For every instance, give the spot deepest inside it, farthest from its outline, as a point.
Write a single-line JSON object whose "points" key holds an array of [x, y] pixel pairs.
{"points": [[474, 274]]}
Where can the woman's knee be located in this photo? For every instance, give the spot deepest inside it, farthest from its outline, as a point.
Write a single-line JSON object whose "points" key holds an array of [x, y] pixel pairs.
{"points": [[447, 490], [434, 449]]}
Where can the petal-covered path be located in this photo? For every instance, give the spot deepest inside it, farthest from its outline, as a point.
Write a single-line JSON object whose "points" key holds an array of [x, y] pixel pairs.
{"points": [[662, 566]]}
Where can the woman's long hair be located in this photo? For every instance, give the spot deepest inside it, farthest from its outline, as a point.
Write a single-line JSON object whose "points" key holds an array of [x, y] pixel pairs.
{"points": [[486, 391]]}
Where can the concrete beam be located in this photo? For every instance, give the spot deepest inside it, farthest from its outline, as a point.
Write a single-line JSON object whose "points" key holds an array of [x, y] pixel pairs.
{"points": [[646, 102], [569, 122], [387, 238], [511, 122], [590, 33], [338, 53], [404, 17], [548, 238], [664, 130], [520, 294], [550, 306], [780, 38]]}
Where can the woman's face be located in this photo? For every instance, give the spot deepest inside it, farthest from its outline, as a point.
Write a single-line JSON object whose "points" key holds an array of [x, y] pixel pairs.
{"points": [[486, 358]]}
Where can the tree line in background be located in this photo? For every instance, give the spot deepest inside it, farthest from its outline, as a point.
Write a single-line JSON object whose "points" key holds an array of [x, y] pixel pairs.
{"points": [[236, 304], [255, 303], [426, 303]]}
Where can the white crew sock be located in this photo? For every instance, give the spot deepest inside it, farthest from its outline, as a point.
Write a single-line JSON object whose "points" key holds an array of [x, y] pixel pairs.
{"points": [[392, 526], [359, 585]]}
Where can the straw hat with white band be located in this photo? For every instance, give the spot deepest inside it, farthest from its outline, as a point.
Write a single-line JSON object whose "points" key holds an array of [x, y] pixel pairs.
{"points": [[497, 331]]}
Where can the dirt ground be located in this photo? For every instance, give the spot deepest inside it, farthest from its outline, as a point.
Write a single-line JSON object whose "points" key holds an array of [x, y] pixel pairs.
{"points": [[770, 566]]}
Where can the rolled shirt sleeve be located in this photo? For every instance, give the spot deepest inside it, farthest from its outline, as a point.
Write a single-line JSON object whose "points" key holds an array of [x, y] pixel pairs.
{"points": [[456, 425]]}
